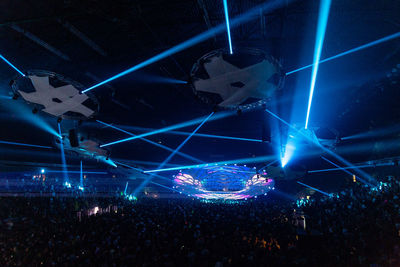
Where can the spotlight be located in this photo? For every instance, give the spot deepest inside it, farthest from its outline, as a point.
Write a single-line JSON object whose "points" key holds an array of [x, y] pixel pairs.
{"points": [[42, 170]]}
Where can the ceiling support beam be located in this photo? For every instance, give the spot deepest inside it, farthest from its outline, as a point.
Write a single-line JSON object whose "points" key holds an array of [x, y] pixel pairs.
{"points": [[82, 37], [40, 42]]}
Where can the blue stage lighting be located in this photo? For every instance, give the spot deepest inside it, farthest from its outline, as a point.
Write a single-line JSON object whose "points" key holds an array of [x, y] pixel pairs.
{"points": [[81, 176], [152, 142], [336, 156], [187, 139], [67, 184], [249, 15], [76, 172], [228, 29], [22, 111], [126, 165], [287, 153], [11, 65], [22, 144], [187, 133], [361, 47], [42, 171], [172, 189], [63, 161], [319, 41], [143, 184], [236, 161], [316, 189], [219, 115], [126, 187], [346, 171], [349, 168], [6, 97]]}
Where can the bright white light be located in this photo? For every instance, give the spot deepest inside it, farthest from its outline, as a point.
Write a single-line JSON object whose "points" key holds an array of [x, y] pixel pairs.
{"points": [[287, 154], [42, 170]]}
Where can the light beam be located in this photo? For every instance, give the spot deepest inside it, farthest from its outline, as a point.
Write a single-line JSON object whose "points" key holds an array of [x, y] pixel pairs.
{"points": [[143, 184], [63, 161], [126, 187], [228, 162], [85, 172], [219, 115], [81, 176], [228, 29], [319, 41], [349, 168], [152, 142], [316, 189], [11, 65], [345, 169], [356, 49], [204, 135], [22, 144], [336, 156]]}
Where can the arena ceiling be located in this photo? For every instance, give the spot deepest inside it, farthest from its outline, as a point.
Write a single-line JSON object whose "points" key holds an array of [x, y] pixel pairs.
{"points": [[89, 41]]}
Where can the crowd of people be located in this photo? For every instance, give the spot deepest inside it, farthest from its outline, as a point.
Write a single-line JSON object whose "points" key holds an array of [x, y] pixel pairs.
{"points": [[359, 226]]}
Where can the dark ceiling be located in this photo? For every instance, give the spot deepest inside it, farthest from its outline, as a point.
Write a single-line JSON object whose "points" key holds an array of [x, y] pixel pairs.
{"points": [[353, 94]]}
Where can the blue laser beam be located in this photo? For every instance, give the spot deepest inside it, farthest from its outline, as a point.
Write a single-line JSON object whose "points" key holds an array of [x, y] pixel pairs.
{"points": [[228, 29], [319, 42], [172, 189], [76, 172], [356, 49], [345, 169], [11, 65], [228, 162], [22, 144], [81, 176], [149, 163], [173, 153], [126, 165], [336, 156], [126, 187], [316, 189], [249, 15], [349, 168], [204, 135], [188, 138], [63, 161], [169, 128], [152, 142]]}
